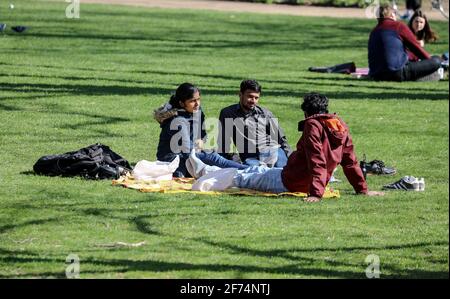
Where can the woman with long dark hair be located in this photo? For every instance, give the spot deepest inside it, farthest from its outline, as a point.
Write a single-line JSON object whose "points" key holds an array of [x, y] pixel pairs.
{"points": [[181, 121], [421, 28]]}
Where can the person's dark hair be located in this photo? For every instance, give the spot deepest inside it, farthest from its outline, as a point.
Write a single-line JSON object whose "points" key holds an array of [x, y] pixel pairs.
{"points": [[385, 11], [413, 4], [314, 103], [252, 85], [426, 33], [184, 92]]}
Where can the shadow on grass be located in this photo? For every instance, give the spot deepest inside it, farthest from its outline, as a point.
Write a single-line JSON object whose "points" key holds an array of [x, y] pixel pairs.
{"points": [[380, 91], [127, 265], [78, 89], [98, 121], [302, 261], [138, 221], [177, 41], [302, 266], [9, 227], [287, 253]]}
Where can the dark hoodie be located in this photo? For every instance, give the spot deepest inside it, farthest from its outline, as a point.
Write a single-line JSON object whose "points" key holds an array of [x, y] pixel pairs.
{"points": [[177, 126], [324, 145]]}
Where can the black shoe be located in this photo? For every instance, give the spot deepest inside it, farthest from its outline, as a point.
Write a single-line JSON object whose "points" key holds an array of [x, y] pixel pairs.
{"points": [[344, 68], [19, 29], [320, 69], [376, 167]]}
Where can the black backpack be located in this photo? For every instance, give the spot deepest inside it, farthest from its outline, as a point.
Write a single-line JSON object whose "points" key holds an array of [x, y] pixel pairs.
{"points": [[97, 161]]}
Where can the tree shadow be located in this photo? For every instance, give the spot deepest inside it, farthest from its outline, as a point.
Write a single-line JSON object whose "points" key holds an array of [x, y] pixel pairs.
{"points": [[317, 83], [303, 267], [138, 221], [9, 227], [79, 89], [148, 265], [287, 253], [291, 254]]}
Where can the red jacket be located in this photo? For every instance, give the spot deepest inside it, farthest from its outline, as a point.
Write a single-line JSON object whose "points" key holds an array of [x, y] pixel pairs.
{"points": [[324, 145], [391, 45]]}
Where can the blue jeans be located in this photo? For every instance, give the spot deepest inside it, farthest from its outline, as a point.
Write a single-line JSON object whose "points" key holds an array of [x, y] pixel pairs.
{"points": [[214, 159], [282, 159], [281, 162], [260, 178]]}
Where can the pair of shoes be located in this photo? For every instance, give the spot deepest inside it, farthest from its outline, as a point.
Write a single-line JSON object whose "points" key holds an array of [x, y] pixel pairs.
{"points": [[407, 183], [343, 68], [19, 29], [375, 167]]}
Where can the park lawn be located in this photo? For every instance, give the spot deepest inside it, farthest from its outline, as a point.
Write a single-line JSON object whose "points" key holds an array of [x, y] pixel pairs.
{"points": [[69, 83]]}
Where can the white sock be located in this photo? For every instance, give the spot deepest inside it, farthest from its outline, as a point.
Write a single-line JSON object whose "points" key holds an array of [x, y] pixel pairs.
{"points": [[194, 165]]}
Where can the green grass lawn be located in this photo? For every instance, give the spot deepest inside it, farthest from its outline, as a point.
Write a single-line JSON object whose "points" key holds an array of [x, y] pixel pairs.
{"points": [[69, 83]]}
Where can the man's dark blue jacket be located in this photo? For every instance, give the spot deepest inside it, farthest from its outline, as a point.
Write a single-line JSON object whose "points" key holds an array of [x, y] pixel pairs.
{"points": [[391, 46]]}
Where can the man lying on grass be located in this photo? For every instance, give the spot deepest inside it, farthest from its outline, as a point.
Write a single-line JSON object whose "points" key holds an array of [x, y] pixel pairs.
{"points": [[325, 143]]}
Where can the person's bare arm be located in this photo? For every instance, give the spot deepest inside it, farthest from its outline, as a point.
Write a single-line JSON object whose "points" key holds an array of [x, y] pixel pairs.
{"points": [[369, 193]]}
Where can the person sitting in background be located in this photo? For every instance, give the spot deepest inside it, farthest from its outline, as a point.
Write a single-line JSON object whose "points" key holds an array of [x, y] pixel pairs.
{"points": [[394, 53], [182, 130], [411, 7], [421, 28]]}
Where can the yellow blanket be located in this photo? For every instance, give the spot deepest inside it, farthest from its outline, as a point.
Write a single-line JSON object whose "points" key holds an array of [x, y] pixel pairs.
{"points": [[180, 185]]}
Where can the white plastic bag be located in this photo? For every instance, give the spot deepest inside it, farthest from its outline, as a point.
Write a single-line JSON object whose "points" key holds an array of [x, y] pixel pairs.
{"points": [[156, 171]]}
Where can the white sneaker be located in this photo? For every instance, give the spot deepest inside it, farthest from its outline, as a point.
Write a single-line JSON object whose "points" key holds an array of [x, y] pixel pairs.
{"points": [[407, 183], [421, 184]]}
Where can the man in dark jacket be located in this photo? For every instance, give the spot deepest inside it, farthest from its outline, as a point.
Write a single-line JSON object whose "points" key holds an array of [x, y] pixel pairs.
{"points": [[325, 143], [251, 128], [394, 53]]}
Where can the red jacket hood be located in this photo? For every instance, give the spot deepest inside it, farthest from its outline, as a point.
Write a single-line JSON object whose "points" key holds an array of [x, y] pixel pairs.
{"points": [[336, 129], [324, 144]]}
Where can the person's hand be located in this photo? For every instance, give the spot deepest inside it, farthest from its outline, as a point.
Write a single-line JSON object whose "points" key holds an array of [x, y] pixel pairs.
{"points": [[375, 193], [312, 199], [199, 145]]}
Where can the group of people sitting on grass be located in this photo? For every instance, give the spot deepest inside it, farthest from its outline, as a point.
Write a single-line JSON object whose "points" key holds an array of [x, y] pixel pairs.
{"points": [[396, 50], [266, 161]]}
